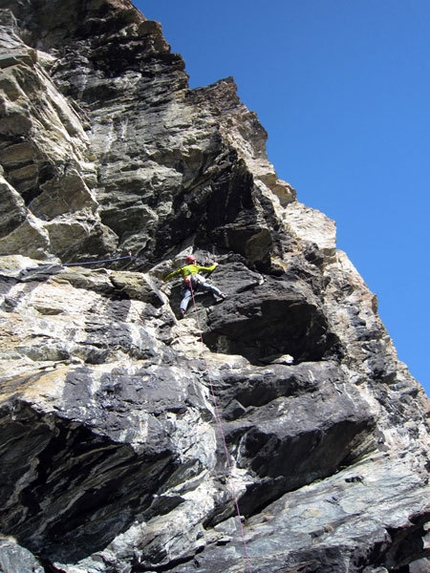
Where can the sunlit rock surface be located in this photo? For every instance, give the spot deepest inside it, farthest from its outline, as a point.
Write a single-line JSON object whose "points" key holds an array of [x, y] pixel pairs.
{"points": [[129, 439]]}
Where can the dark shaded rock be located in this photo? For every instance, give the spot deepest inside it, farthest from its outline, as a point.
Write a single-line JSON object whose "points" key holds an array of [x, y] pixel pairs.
{"points": [[297, 424], [65, 477], [267, 317], [11, 208]]}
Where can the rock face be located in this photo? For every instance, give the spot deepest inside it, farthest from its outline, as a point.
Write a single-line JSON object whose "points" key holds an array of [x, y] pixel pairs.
{"points": [[130, 440]]}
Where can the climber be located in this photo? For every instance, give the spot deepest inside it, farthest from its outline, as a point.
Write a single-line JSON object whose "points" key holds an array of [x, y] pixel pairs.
{"points": [[193, 281]]}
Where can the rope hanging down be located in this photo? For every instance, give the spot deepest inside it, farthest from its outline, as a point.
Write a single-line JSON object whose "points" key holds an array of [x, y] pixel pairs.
{"points": [[224, 442]]}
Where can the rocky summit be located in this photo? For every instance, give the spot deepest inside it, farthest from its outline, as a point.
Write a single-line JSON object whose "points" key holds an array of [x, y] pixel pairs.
{"points": [[275, 431]]}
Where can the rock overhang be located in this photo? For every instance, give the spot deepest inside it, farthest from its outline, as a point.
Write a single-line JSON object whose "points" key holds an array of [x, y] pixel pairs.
{"points": [[266, 317]]}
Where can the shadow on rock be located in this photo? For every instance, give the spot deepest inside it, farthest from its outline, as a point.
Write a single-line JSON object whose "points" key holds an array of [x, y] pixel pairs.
{"points": [[266, 317]]}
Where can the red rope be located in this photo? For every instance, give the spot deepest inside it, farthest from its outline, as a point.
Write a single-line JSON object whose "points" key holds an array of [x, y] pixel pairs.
{"points": [[224, 441]]}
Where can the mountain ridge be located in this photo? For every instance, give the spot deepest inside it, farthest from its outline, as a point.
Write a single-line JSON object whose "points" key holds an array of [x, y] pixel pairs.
{"points": [[111, 456]]}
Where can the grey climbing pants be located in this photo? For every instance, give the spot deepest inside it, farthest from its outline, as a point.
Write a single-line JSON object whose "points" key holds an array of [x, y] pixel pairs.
{"points": [[188, 292]]}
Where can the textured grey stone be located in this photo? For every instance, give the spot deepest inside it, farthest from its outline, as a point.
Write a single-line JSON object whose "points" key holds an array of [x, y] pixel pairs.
{"points": [[16, 559]]}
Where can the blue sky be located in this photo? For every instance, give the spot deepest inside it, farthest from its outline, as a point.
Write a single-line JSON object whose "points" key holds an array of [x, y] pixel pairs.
{"points": [[343, 89]]}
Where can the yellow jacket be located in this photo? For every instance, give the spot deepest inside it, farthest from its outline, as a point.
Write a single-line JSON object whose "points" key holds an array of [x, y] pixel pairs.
{"points": [[187, 270]]}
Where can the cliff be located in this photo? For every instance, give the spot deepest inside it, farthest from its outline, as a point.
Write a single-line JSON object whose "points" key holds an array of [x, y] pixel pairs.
{"points": [[276, 431]]}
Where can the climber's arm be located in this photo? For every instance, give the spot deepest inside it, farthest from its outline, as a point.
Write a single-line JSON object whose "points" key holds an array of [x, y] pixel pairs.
{"points": [[173, 274], [207, 269]]}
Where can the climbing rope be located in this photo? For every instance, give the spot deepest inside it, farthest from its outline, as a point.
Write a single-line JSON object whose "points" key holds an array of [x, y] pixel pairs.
{"points": [[224, 442], [98, 262], [50, 266]]}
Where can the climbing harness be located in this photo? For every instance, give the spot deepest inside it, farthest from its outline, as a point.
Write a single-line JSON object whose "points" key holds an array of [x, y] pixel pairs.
{"points": [[225, 447], [193, 281]]}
